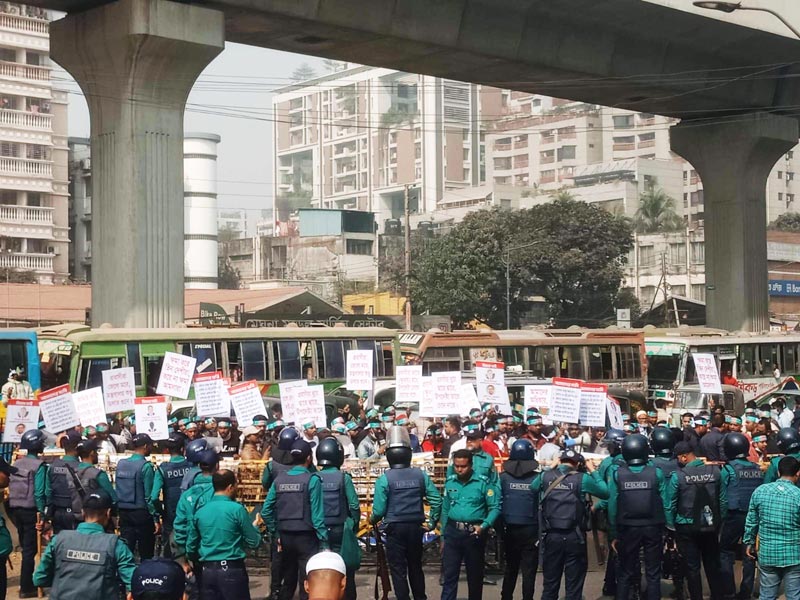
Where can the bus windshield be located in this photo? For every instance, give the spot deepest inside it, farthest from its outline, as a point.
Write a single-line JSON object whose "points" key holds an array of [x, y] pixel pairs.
{"points": [[662, 371]]}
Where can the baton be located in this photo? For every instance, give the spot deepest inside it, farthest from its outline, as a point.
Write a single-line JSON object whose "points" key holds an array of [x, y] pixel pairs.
{"points": [[40, 590]]}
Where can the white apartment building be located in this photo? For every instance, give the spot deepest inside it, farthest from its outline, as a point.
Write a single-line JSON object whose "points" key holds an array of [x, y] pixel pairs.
{"points": [[353, 140], [34, 211]]}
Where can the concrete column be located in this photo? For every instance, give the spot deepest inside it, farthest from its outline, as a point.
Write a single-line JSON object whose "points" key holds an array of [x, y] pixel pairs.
{"points": [[734, 158], [136, 61]]}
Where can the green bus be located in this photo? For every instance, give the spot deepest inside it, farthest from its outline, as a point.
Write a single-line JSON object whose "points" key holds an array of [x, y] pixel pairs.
{"points": [[77, 354]]}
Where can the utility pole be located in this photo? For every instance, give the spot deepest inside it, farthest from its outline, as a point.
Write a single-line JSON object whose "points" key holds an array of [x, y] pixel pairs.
{"points": [[664, 283], [407, 236], [508, 289]]}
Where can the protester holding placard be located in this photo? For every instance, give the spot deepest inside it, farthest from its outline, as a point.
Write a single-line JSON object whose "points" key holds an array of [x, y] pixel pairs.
{"points": [[136, 478]]}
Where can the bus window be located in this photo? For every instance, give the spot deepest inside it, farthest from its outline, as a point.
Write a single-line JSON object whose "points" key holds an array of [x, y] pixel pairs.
{"points": [[629, 364], [91, 371], [207, 354], [152, 366], [330, 359], [512, 357], [377, 356], [12, 355], [746, 363], [789, 358], [387, 354], [600, 364], [55, 364], [253, 364], [135, 361], [437, 360], [768, 358], [571, 358], [287, 360], [543, 362]]}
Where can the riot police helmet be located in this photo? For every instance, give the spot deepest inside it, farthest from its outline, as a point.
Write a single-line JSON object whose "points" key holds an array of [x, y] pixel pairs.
{"points": [[330, 453], [521, 450], [33, 441], [635, 449], [194, 448], [287, 438], [662, 441], [788, 440], [613, 440], [735, 445]]}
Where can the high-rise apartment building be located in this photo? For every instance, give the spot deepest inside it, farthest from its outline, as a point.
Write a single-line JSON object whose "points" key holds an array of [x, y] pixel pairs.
{"points": [[34, 230]]}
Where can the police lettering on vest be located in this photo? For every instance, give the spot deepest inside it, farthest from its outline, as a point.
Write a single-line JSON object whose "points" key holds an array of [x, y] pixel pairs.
{"points": [[22, 487], [698, 496], [86, 564], [562, 508], [639, 502], [173, 473], [130, 484], [292, 504], [64, 495], [406, 490], [519, 501], [334, 498], [741, 487]]}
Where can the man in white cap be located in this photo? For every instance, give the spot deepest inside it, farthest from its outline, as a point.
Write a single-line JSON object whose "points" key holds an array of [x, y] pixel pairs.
{"points": [[16, 387], [326, 579]]}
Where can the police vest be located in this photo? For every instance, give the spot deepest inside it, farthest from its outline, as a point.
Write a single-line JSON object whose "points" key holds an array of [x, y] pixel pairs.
{"points": [[698, 497], [406, 491], [741, 487], [667, 465], [85, 566], [130, 484], [292, 502], [63, 493], [639, 502], [334, 499], [519, 500], [22, 487], [562, 508], [189, 477], [173, 473]]}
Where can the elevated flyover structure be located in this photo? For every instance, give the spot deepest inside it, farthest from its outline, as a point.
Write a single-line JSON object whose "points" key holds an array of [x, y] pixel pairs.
{"points": [[736, 89]]}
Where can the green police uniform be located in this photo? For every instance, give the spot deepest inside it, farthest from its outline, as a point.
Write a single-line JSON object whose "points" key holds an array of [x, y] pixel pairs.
{"points": [[48, 483], [350, 493], [221, 530], [482, 464], [672, 516], [151, 478], [191, 501], [381, 498], [772, 470], [474, 501], [613, 493], [102, 481], [269, 515]]}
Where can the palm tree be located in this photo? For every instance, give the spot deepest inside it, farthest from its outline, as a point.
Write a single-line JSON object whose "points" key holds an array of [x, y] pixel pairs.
{"points": [[656, 213], [562, 195]]}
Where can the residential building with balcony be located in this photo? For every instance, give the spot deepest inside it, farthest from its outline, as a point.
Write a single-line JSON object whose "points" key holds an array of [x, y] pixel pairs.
{"points": [[34, 211]]}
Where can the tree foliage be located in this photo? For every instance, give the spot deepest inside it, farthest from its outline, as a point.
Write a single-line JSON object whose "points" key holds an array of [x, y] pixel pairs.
{"points": [[303, 73], [569, 252], [228, 277], [786, 222], [16, 276], [656, 213]]}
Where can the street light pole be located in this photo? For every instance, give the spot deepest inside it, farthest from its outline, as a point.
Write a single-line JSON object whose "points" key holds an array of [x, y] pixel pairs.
{"points": [[729, 7]]}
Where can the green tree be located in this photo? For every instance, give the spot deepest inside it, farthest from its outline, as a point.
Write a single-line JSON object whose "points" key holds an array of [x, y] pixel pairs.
{"points": [[656, 213], [228, 277], [569, 252], [332, 65], [562, 195], [15, 276], [786, 222], [228, 233], [303, 73]]}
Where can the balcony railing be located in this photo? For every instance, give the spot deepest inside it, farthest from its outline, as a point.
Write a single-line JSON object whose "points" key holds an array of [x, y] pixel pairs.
{"points": [[34, 215], [550, 139], [626, 146], [27, 261], [20, 71], [502, 147], [25, 119], [647, 143], [546, 160], [26, 166], [26, 24], [547, 179], [521, 144]]}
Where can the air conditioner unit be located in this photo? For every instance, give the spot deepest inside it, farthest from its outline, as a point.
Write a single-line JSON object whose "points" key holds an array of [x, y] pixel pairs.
{"points": [[54, 250]]}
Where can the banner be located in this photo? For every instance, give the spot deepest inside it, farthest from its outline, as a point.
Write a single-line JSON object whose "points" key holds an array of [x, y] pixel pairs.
{"points": [[119, 389], [593, 404], [469, 399], [21, 416], [247, 402], [427, 405], [286, 396], [89, 406], [359, 370], [447, 393], [614, 413], [538, 396], [177, 373], [408, 385], [211, 395], [496, 395], [57, 408], [151, 417], [308, 405], [490, 372], [565, 400], [707, 374]]}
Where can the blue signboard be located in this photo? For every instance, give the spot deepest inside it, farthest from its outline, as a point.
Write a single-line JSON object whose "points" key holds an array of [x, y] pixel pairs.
{"points": [[784, 287]]}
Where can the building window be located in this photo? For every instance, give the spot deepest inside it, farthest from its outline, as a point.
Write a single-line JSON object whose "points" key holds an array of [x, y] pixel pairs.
{"points": [[789, 176], [646, 295], [780, 174], [780, 196], [790, 154], [677, 254], [698, 253], [699, 292], [566, 153], [358, 309], [789, 198], [362, 247], [647, 256], [623, 121], [677, 290]]}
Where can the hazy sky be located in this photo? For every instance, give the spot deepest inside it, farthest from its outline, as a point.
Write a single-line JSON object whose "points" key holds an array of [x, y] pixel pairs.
{"points": [[239, 81]]}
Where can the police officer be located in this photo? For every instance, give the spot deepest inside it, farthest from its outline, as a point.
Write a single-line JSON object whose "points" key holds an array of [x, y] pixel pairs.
{"points": [[27, 499], [89, 475], [342, 509], [220, 534], [637, 495], [470, 506], [663, 442], [193, 450], [294, 514], [172, 473], [520, 520], [87, 563], [611, 441], [158, 579], [789, 445], [564, 520], [697, 506], [62, 485], [193, 499], [482, 463], [743, 479], [136, 479], [398, 501]]}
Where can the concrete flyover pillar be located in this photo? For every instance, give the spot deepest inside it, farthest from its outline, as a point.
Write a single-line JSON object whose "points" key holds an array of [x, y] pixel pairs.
{"points": [[136, 61], [734, 157]]}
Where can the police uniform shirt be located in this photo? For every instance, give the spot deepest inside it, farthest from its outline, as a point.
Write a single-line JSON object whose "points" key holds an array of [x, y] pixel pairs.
{"points": [[772, 471], [221, 530], [482, 464], [671, 514], [380, 501], [269, 513], [190, 502], [475, 501]]}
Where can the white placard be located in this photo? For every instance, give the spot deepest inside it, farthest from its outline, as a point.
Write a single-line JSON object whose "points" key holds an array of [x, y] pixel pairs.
{"points": [[490, 372], [593, 404], [211, 395], [308, 405], [408, 384], [286, 398], [496, 395], [247, 402], [57, 408], [469, 399], [89, 406], [565, 400], [151, 416], [707, 374], [359, 370], [176, 376], [119, 389], [21, 416], [447, 393], [538, 397], [614, 413], [427, 405]]}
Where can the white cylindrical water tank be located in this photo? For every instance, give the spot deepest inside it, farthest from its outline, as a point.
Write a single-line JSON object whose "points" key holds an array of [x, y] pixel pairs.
{"points": [[200, 210]]}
